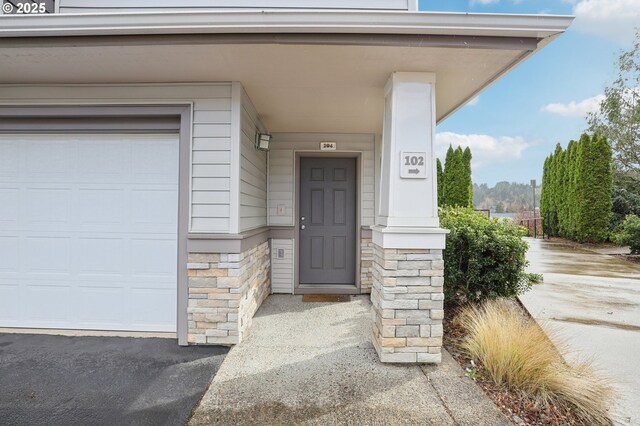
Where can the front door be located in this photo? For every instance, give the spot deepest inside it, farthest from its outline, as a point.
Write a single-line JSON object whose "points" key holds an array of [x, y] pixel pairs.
{"points": [[327, 220]]}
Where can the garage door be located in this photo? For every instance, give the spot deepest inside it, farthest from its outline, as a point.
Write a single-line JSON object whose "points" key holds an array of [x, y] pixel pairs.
{"points": [[88, 231]]}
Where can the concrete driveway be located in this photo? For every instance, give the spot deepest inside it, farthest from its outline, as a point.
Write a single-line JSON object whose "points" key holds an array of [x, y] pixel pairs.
{"points": [[59, 380], [592, 301]]}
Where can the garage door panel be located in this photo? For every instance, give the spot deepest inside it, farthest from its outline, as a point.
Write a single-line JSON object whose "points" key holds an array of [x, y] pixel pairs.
{"points": [[50, 255], [9, 207], [9, 301], [47, 303], [88, 231], [154, 162], [9, 254], [97, 256], [147, 314], [101, 206], [47, 206], [104, 161], [101, 306], [153, 257], [154, 207], [48, 159], [9, 160]]}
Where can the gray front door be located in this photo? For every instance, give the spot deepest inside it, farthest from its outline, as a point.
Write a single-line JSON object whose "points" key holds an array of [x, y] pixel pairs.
{"points": [[327, 220]]}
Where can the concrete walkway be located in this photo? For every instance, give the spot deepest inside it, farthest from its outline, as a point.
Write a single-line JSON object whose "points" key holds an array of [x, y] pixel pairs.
{"points": [[592, 301], [313, 363]]}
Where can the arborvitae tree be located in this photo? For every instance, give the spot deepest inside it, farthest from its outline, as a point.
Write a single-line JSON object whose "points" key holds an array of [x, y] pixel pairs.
{"points": [[457, 187], [466, 157], [440, 177], [594, 189], [557, 187], [544, 196], [447, 178], [576, 198], [560, 189], [553, 218], [571, 198], [459, 190], [581, 167], [565, 206]]}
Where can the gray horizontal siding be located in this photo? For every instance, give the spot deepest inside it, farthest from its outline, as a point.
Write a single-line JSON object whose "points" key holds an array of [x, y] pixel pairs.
{"points": [[282, 268], [211, 163], [253, 169], [282, 171], [112, 6]]}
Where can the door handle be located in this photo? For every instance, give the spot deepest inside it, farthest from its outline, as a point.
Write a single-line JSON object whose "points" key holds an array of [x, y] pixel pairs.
{"points": [[302, 227]]}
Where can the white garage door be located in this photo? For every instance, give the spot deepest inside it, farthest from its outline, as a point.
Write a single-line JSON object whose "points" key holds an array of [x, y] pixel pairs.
{"points": [[88, 231]]}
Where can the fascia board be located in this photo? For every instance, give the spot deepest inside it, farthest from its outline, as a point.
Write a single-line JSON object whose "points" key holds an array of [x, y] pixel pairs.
{"points": [[284, 21]]}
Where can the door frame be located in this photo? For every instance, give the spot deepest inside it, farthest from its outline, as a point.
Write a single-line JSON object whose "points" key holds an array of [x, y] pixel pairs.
{"points": [[326, 288]]}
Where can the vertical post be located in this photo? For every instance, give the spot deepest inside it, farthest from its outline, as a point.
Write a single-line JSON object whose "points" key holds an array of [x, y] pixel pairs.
{"points": [[535, 221], [408, 268]]}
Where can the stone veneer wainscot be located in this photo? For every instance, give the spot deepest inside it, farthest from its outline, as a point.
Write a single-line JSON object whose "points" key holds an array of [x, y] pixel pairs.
{"points": [[366, 264], [408, 302], [225, 291]]}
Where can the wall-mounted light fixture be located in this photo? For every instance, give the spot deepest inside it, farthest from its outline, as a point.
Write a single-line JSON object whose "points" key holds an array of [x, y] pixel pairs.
{"points": [[263, 141]]}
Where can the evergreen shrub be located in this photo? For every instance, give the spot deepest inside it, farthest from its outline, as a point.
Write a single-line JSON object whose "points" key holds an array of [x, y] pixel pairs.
{"points": [[484, 258], [628, 233]]}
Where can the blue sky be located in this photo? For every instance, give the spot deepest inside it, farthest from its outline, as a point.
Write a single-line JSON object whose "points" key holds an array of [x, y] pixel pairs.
{"points": [[516, 123]]}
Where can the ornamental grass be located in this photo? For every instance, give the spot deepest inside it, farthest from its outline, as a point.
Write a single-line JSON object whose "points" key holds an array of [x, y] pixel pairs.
{"points": [[513, 351]]}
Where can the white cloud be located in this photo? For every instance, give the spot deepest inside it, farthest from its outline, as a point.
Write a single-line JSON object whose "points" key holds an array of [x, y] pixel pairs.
{"points": [[612, 19], [487, 150], [573, 108]]}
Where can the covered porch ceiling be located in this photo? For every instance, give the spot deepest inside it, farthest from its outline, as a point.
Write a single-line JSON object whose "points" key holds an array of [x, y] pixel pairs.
{"points": [[298, 82]]}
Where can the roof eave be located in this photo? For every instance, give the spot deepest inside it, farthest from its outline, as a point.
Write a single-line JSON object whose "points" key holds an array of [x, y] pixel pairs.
{"points": [[283, 21]]}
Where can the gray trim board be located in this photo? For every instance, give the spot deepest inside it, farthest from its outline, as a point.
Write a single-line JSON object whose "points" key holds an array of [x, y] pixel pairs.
{"points": [[20, 119], [227, 243], [140, 124], [366, 232], [283, 232], [345, 39], [183, 223]]}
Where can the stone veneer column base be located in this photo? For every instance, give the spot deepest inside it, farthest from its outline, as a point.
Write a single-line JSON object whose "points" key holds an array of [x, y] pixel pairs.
{"points": [[407, 300], [366, 264], [225, 291]]}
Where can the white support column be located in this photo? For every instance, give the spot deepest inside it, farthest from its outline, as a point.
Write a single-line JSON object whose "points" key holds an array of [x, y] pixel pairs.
{"points": [[408, 271], [408, 187]]}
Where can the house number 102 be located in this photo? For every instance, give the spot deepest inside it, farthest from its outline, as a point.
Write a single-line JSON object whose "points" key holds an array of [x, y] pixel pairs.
{"points": [[413, 160], [413, 165]]}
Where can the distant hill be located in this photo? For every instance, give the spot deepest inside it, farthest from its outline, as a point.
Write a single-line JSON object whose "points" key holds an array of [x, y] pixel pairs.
{"points": [[507, 197]]}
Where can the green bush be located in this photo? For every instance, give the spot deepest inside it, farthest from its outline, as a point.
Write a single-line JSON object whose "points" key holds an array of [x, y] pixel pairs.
{"points": [[628, 233], [484, 258], [625, 202]]}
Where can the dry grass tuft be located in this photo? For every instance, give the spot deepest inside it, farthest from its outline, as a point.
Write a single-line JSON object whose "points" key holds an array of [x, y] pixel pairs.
{"points": [[514, 352]]}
